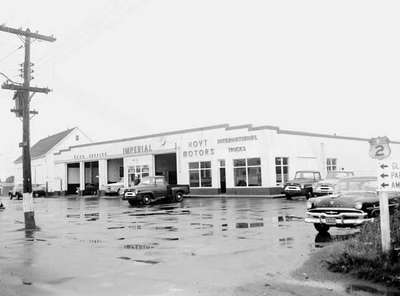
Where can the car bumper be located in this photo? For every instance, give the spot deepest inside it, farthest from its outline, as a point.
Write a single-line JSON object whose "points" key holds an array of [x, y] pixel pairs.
{"points": [[131, 196], [292, 192], [322, 193], [342, 219]]}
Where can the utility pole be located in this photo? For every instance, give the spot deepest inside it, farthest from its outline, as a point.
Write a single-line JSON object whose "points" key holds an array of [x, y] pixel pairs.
{"points": [[22, 98]]}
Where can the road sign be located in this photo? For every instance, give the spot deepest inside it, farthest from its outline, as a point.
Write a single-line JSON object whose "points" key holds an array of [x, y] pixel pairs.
{"points": [[379, 148], [389, 175]]}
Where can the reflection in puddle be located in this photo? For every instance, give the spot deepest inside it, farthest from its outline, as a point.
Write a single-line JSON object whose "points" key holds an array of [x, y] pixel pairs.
{"points": [[324, 238], [371, 290], [286, 242], [140, 246]]}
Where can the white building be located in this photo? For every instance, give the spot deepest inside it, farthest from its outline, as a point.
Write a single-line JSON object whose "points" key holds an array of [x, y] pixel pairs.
{"points": [[214, 159], [42, 155]]}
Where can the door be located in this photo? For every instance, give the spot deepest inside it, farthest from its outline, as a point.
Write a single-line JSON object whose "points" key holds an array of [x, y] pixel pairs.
{"points": [[222, 176], [222, 179]]}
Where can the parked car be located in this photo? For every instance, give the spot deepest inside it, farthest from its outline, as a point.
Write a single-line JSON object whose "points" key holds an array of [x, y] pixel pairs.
{"points": [[326, 186], [16, 192], [90, 189], [354, 202], [114, 188], [151, 189], [37, 191], [302, 184]]}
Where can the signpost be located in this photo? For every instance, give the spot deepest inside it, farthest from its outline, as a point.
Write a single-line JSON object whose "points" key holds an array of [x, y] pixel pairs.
{"points": [[388, 180]]}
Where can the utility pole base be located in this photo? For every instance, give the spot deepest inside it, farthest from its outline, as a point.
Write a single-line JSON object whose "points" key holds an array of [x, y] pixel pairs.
{"points": [[27, 204], [30, 220]]}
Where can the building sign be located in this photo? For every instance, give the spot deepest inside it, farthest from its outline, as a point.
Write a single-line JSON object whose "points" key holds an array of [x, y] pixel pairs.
{"points": [[198, 148], [237, 149], [90, 156], [137, 149], [237, 139]]}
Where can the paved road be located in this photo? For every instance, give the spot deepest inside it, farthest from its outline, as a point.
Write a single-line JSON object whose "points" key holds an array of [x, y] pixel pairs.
{"points": [[91, 246]]}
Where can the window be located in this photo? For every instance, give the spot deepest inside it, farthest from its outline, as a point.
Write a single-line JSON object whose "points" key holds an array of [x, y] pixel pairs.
{"points": [[247, 172], [281, 170], [331, 164], [76, 137], [121, 172], [136, 173], [200, 174]]}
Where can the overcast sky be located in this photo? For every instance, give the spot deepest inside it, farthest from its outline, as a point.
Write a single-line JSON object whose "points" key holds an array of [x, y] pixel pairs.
{"points": [[123, 68]]}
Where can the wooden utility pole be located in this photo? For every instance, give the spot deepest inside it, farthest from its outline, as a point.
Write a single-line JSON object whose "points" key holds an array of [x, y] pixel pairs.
{"points": [[22, 97]]}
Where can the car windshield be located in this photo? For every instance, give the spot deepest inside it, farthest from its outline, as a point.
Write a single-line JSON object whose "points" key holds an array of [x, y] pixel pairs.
{"points": [[367, 185], [337, 175], [305, 175], [146, 181]]}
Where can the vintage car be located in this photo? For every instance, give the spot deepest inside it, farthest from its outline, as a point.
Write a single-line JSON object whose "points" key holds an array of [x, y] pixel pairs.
{"points": [[116, 188], [302, 184], [37, 191], [354, 202], [327, 185], [151, 189]]}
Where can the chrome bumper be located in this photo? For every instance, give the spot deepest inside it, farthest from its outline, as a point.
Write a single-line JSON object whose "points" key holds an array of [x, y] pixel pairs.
{"points": [[344, 218]]}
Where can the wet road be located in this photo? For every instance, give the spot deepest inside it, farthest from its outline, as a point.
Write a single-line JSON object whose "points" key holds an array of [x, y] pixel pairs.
{"points": [[92, 246]]}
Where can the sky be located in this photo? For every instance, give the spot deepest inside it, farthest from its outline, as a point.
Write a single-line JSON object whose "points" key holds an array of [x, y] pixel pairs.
{"points": [[125, 68]]}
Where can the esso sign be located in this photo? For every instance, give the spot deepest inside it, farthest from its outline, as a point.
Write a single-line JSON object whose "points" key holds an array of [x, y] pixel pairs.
{"points": [[379, 148]]}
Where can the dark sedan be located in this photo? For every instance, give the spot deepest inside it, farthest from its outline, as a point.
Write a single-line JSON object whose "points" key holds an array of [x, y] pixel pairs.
{"points": [[354, 202]]}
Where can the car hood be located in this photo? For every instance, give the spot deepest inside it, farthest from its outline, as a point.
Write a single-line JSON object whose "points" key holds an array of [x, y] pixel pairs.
{"points": [[345, 199], [331, 181], [300, 181]]}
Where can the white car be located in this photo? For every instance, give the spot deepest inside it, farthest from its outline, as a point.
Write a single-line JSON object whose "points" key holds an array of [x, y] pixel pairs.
{"points": [[327, 186], [116, 188]]}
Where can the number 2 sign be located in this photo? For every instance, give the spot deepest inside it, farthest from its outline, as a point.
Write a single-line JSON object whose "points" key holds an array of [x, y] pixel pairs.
{"points": [[379, 148]]}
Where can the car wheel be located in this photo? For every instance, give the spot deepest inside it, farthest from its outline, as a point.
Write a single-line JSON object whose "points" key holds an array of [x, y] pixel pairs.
{"points": [[36, 194], [131, 202], [146, 199], [178, 196], [321, 227], [288, 197]]}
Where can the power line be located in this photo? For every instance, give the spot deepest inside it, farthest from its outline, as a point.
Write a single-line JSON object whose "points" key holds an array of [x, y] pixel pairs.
{"points": [[8, 78], [11, 53]]}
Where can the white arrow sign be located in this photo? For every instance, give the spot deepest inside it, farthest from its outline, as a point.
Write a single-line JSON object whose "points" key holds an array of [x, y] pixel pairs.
{"points": [[388, 175]]}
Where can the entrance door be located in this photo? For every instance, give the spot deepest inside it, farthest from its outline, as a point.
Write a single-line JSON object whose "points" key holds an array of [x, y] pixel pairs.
{"points": [[165, 165], [222, 176]]}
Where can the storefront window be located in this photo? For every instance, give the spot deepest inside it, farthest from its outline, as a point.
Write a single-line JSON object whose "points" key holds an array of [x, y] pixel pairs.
{"points": [[200, 174], [136, 173], [247, 172], [281, 170]]}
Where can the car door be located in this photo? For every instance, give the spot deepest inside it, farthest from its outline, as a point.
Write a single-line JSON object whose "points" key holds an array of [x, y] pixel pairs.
{"points": [[159, 187]]}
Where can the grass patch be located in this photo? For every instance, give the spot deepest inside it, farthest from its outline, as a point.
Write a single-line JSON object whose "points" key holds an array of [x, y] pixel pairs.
{"points": [[362, 256]]}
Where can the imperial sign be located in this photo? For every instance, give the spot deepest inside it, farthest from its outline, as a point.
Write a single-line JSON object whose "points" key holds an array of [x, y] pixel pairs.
{"points": [[379, 148]]}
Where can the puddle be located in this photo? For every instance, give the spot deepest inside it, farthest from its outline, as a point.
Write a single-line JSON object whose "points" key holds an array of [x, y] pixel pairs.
{"points": [[169, 228], [147, 261], [370, 290], [59, 280]]}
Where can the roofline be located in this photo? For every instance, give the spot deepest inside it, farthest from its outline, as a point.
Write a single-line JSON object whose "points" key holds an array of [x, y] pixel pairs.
{"points": [[44, 154], [227, 127]]}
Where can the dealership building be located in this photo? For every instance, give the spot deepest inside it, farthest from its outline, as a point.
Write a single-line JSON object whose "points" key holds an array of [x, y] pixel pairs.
{"points": [[219, 159]]}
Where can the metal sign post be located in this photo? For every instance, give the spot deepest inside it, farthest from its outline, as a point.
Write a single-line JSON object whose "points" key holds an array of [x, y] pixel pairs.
{"points": [[380, 150]]}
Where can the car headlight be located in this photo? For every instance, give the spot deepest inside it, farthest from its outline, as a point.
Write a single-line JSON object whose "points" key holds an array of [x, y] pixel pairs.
{"points": [[358, 205], [309, 204]]}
